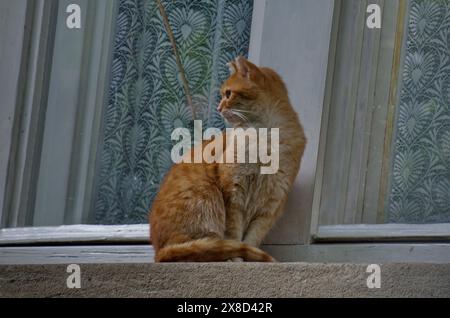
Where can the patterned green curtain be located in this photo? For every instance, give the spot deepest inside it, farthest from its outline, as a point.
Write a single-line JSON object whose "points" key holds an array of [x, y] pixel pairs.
{"points": [[147, 101], [420, 190]]}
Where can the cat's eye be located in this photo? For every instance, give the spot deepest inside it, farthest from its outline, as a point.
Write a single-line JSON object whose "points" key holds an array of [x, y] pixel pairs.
{"points": [[227, 93]]}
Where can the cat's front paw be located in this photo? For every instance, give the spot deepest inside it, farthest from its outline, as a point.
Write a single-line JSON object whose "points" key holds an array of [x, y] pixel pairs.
{"points": [[237, 260]]}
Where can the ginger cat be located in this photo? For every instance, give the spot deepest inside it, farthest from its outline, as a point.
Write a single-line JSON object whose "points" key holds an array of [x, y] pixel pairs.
{"points": [[212, 212]]}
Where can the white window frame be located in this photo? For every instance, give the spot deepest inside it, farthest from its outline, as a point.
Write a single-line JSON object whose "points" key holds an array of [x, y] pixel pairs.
{"points": [[82, 92], [383, 88]]}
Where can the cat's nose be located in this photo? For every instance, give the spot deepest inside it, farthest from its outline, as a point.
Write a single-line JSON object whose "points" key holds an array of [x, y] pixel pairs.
{"points": [[219, 108]]}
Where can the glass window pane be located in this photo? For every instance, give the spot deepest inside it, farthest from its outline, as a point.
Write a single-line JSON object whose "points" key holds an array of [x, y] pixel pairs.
{"points": [[420, 177], [147, 100], [387, 144], [100, 103]]}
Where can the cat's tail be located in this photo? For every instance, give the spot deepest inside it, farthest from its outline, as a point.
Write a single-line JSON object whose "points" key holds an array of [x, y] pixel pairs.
{"points": [[211, 250]]}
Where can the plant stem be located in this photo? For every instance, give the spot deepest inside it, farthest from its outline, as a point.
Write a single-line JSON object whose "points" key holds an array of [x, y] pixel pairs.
{"points": [[187, 91]]}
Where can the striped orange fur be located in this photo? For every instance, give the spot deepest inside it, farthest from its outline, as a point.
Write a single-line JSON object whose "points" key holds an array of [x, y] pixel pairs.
{"points": [[217, 212]]}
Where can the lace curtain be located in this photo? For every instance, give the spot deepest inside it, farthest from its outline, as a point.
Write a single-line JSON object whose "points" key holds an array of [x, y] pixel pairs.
{"points": [[420, 190], [146, 97]]}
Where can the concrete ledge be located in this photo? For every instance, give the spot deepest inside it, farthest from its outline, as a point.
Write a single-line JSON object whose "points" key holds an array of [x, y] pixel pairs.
{"points": [[226, 280]]}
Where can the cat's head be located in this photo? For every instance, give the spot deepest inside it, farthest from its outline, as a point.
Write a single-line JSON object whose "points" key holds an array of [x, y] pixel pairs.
{"points": [[251, 94]]}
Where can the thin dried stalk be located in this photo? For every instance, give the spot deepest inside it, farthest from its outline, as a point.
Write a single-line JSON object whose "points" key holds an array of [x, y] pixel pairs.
{"points": [[187, 91]]}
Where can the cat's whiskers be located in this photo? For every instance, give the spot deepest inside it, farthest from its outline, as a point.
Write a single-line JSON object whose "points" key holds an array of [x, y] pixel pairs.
{"points": [[240, 115], [244, 111]]}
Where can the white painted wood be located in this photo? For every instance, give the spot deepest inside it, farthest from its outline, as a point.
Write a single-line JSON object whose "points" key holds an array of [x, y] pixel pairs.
{"points": [[36, 64], [300, 54], [77, 94], [77, 87], [349, 178], [362, 253], [259, 9], [13, 22], [344, 110], [93, 94], [60, 121], [76, 254], [363, 118], [318, 182], [320, 253], [380, 108], [76, 234], [383, 232]]}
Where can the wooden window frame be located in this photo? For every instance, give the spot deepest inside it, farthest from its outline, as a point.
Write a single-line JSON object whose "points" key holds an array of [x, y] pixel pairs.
{"points": [[33, 134], [334, 223]]}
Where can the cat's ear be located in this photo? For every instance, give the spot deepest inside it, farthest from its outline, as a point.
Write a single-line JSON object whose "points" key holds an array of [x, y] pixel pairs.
{"points": [[242, 67], [232, 67], [247, 69]]}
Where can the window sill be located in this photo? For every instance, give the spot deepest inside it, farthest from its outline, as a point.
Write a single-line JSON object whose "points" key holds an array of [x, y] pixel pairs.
{"points": [[373, 253], [93, 234], [226, 280], [383, 233]]}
